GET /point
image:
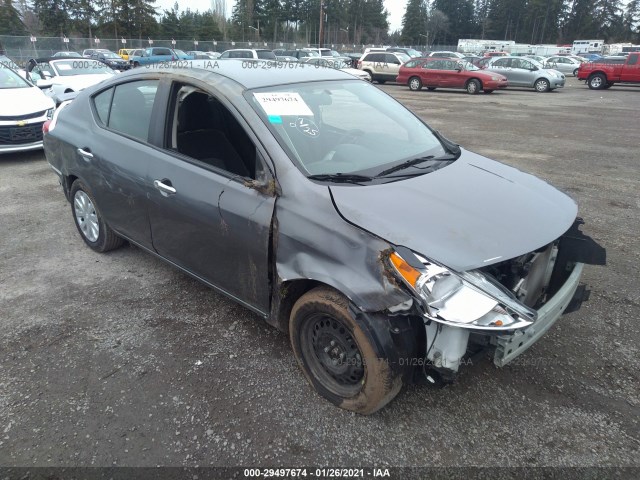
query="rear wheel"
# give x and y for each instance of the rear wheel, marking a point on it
(415, 84)
(92, 227)
(473, 86)
(597, 81)
(340, 360)
(542, 85)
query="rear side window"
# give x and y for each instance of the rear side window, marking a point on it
(126, 108)
(633, 59)
(411, 64)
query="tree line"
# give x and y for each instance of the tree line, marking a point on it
(524, 21)
(425, 22)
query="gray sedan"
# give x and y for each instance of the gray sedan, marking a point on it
(384, 250)
(527, 72)
(566, 65)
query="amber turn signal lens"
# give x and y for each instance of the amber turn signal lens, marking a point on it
(409, 273)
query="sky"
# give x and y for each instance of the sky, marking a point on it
(394, 7)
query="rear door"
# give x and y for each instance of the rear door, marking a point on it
(206, 213)
(118, 148)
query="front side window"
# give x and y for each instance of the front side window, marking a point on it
(203, 129)
(126, 108)
(342, 127)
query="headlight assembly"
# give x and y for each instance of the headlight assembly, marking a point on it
(468, 300)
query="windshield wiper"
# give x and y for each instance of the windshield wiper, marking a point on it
(407, 164)
(340, 177)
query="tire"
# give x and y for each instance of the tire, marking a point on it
(89, 222)
(415, 84)
(136, 64)
(542, 85)
(473, 87)
(487, 91)
(575, 72)
(431, 89)
(320, 320)
(597, 81)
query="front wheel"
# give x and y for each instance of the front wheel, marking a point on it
(473, 87)
(597, 81)
(415, 84)
(542, 85)
(92, 227)
(340, 360)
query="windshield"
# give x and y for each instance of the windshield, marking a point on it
(180, 52)
(10, 79)
(343, 127)
(8, 63)
(68, 68)
(414, 53)
(266, 55)
(403, 57)
(535, 62)
(468, 65)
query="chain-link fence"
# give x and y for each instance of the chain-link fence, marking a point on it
(20, 48)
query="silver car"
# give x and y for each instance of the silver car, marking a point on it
(566, 65)
(527, 72)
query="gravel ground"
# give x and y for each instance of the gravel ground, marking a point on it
(119, 359)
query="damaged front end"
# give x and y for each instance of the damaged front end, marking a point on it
(505, 306)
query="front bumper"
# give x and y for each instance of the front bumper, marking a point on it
(511, 346)
(25, 147)
(21, 136)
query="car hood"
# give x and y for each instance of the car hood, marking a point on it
(470, 214)
(80, 82)
(23, 101)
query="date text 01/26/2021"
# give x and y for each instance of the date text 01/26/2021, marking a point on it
(316, 472)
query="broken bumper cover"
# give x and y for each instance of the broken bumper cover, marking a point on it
(511, 346)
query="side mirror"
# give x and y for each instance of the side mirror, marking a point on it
(44, 84)
(46, 75)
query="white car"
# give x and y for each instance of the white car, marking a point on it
(23, 110)
(338, 65)
(68, 75)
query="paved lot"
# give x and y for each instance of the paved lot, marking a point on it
(118, 359)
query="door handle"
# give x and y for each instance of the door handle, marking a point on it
(86, 154)
(164, 188)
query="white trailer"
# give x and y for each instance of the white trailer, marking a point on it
(587, 46)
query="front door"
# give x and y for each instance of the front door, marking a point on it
(206, 214)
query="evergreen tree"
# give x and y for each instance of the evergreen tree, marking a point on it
(10, 21)
(414, 23)
(460, 15)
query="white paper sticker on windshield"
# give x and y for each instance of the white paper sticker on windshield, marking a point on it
(283, 104)
(63, 66)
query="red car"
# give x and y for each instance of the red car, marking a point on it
(448, 73)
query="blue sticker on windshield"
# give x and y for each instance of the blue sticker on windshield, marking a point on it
(275, 118)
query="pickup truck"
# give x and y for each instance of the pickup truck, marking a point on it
(153, 55)
(600, 75)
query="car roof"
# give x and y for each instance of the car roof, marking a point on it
(249, 78)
